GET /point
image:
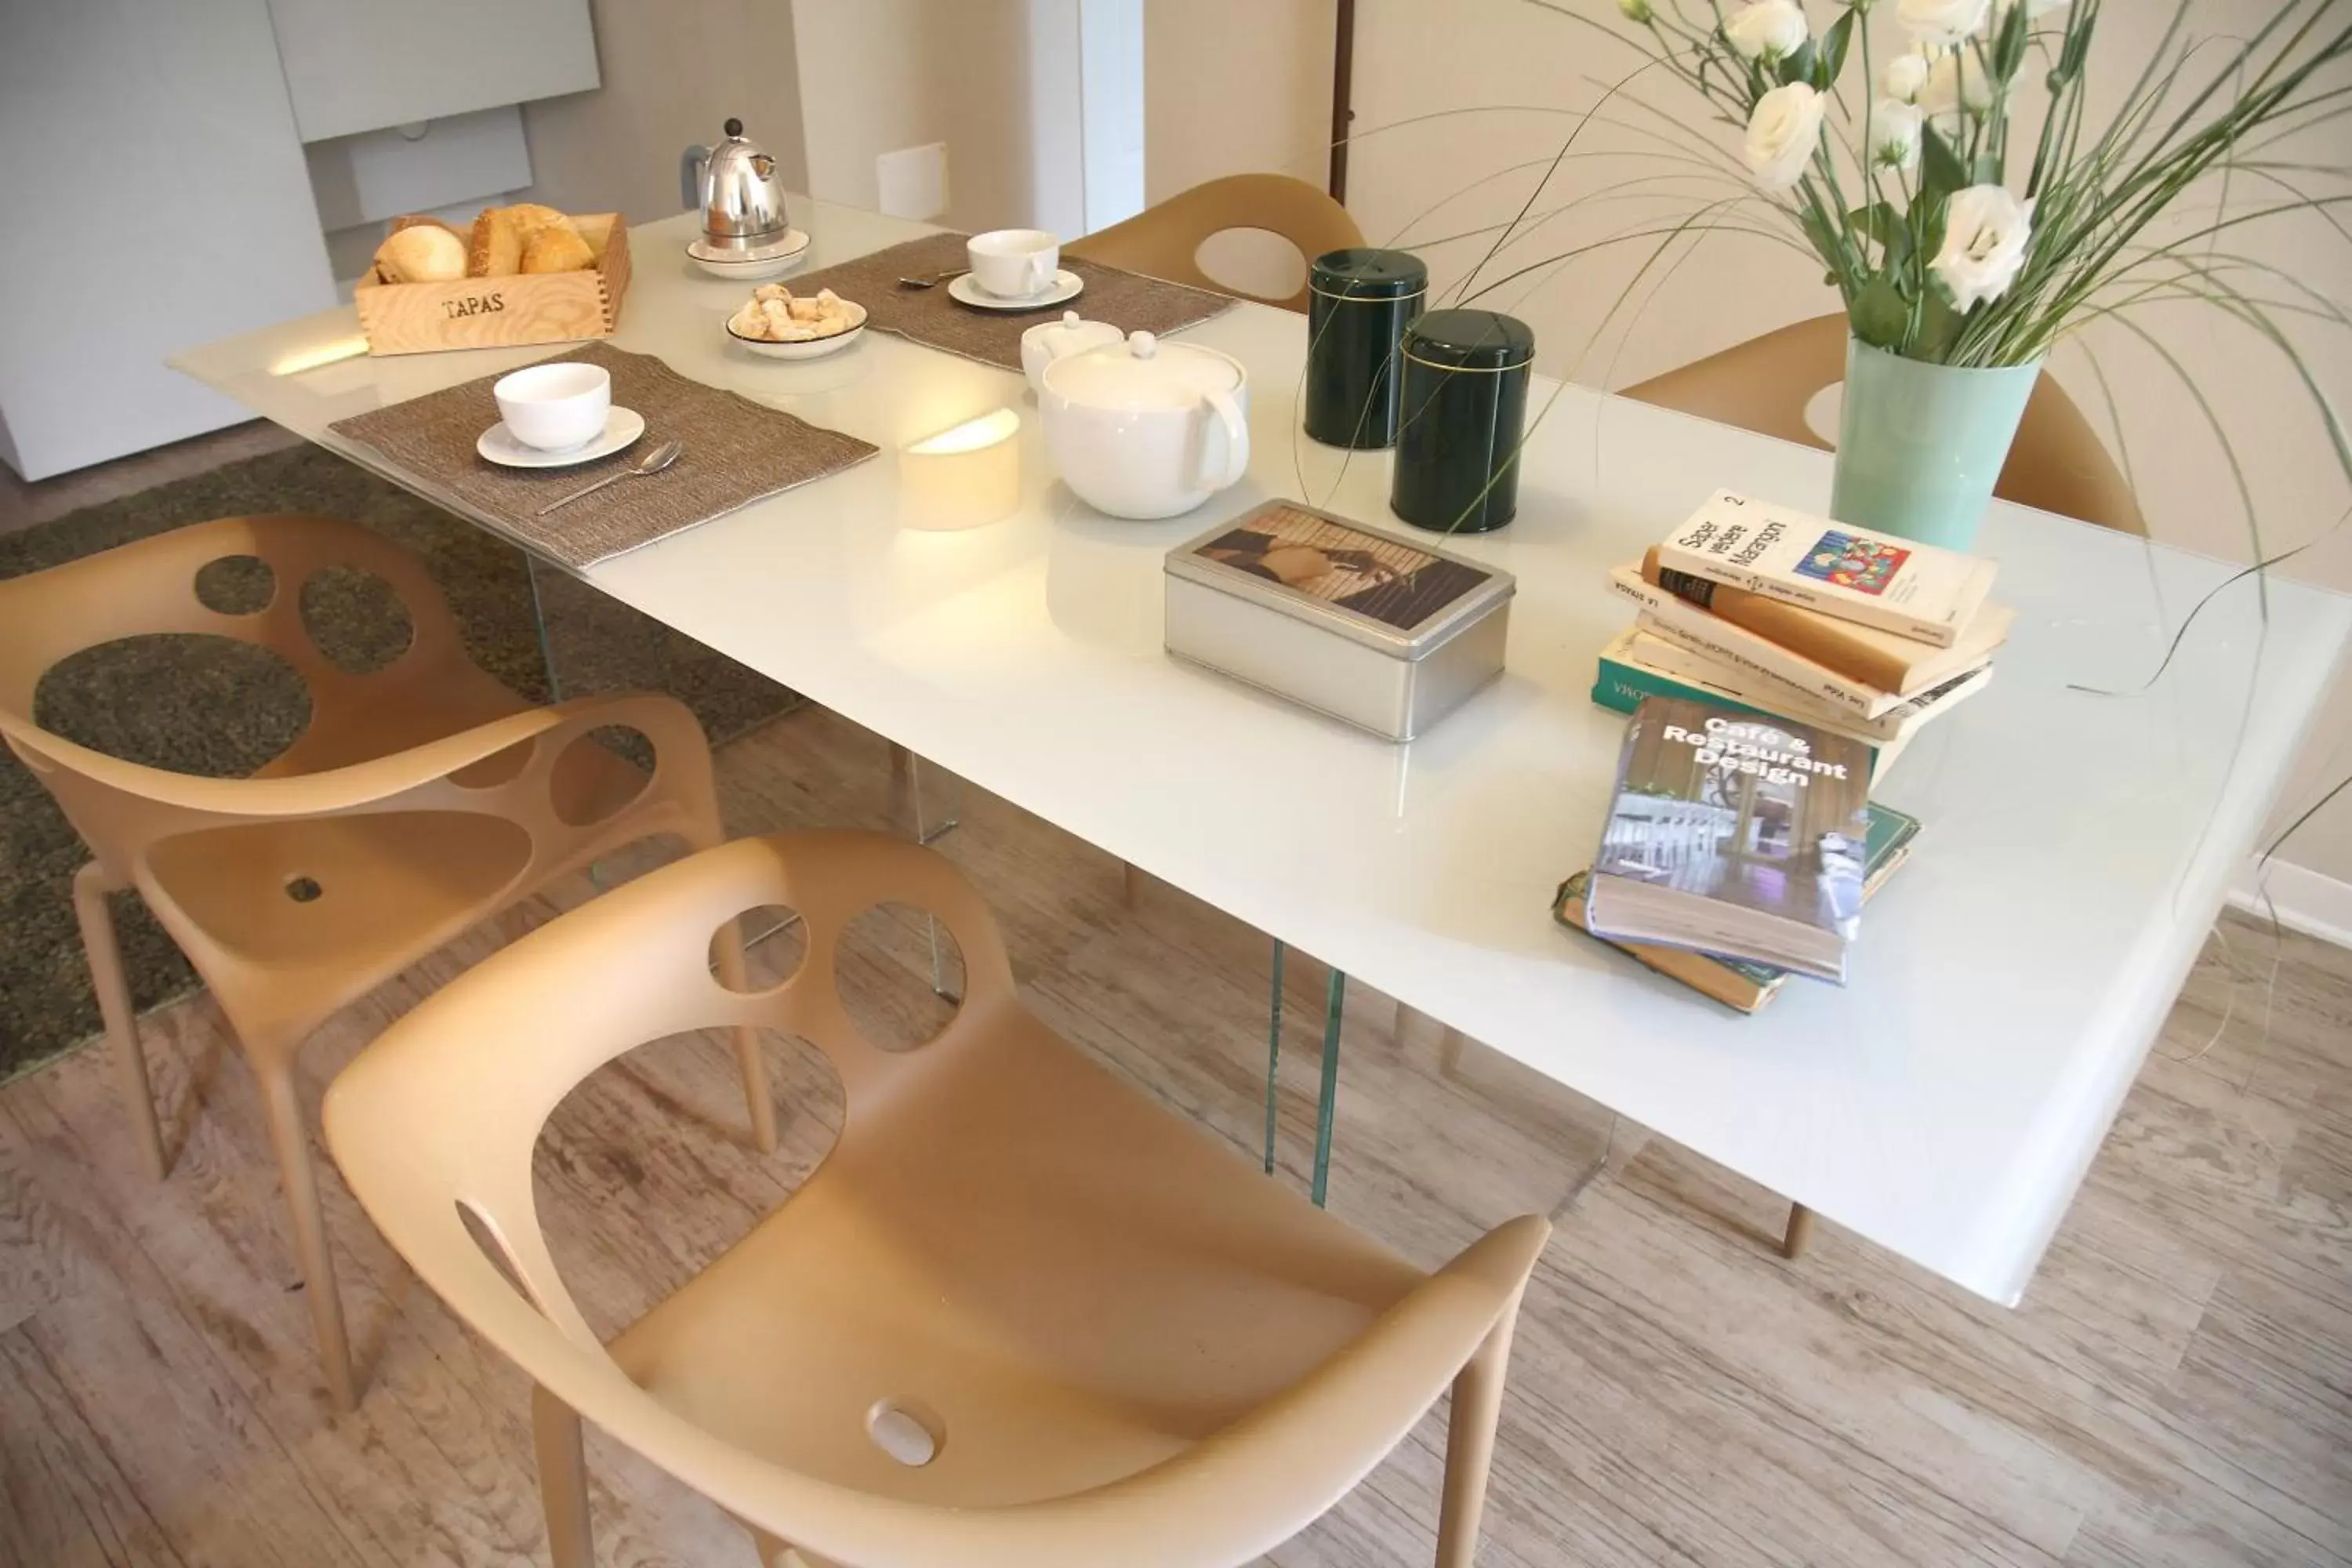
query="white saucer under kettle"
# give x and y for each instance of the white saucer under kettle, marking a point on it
(1145, 429)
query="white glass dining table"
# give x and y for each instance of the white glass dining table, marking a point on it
(2082, 822)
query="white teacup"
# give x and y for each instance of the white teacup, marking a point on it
(1014, 263)
(555, 408)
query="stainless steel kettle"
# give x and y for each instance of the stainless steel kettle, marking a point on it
(737, 187)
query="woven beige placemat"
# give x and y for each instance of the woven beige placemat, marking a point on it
(1127, 300)
(737, 451)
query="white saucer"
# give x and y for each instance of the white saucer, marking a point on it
(621, 427)
(1067, 285)
(766, 262)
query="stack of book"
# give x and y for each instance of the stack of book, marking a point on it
(1781, 613)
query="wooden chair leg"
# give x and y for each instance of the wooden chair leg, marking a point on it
(105, 958)
(563, 1481)
(1800, 1234)
(1470, 1444)
(284, 1112)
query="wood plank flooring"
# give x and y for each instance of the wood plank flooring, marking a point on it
(2177, 1389)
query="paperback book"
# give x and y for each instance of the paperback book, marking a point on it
(1637, 663)
(1678, 620)
(1879, 659)
(1899, 585)
(1737, 835)
(1737, 983)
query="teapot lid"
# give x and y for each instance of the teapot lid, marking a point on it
(1143, 372)
(1072, 332)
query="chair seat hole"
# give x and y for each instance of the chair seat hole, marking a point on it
(906, 1435)
(303, 889)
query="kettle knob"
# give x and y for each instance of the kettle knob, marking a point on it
(734, 128)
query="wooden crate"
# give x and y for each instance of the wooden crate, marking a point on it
(502, 312)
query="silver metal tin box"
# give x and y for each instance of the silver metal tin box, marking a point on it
(1377, 661)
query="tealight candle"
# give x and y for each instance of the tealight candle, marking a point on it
(966, 476)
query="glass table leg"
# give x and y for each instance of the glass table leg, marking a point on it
(1327, 1094)
(929, 823)
(1273, 1055)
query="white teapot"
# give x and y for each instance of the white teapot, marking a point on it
(1042, 344)
(1146, 429)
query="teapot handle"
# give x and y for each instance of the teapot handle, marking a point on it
(689, 175)
(1226, 412)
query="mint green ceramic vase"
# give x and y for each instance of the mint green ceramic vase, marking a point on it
(1921, 444)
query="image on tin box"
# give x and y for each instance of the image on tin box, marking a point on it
(1384, 579)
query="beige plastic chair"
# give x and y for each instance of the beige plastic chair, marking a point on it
(2057, 462)
(1020, 1317)
(1164, 241)
(420, 799)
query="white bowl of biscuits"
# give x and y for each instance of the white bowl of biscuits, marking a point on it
(778, 324)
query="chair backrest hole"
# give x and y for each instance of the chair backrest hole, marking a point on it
(901, 976)
(774, 943)
(1254, 261)
(303, 889)
(500, 767)
(355, 619)
(599, 773)
(493, 1248)
(188, 703)
(907, 1432)
(235, 586)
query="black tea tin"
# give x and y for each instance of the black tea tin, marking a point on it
(1464, 411)
(1360, 301)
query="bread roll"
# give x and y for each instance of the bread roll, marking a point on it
(553, 248)
(496, 249)
(424, 253)
(530, 217)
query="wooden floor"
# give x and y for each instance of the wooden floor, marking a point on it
(2177, 1388)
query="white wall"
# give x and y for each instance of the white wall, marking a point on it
(878, 75)
(1236, 87)
(673, 73)
(1245, 102)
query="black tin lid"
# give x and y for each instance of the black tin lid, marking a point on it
(1470, 340)
(1360, 272)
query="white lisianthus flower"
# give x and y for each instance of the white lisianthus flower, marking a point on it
(1985, 233)
(1943, 22)
(1635, 10)
(1895, 134)
(1906, 73)
(1956, 80)
(1768, 29)
(1783, 133)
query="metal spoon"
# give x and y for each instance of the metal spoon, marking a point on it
(653, 462)
(932, 279)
